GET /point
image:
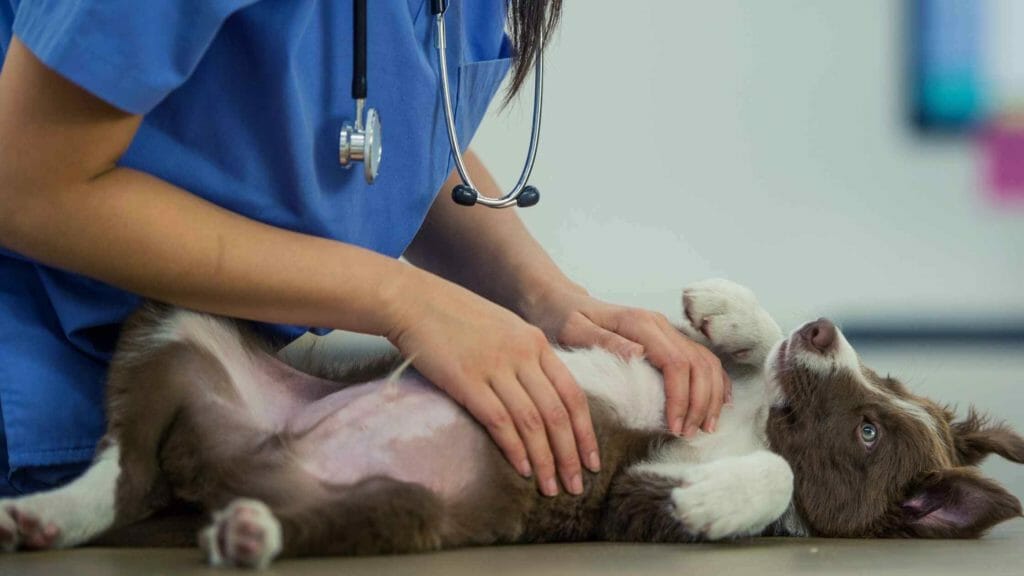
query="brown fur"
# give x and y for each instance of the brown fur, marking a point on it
(845, 489)
(186, 447)
(179, 445)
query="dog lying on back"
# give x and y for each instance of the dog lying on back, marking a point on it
(814, 443)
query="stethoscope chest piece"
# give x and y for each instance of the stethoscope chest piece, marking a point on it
(362, 143)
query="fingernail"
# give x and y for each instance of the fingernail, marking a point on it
(576, 485)
(691, 431)
(712, 423)
(593, 461)
(524, 469)
(677, 426)
(549, 487)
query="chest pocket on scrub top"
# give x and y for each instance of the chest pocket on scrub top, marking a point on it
(474, 82)
(477, 85)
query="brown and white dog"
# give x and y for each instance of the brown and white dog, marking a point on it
(814, 443)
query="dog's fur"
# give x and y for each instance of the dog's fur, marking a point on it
(814, 443)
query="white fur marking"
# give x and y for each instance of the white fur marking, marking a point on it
(730, 497)
(845, 358)
(80, 510)
(634, 387)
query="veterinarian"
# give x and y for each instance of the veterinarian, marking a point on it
(188, 152)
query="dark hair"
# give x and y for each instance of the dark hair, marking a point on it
(530, 25)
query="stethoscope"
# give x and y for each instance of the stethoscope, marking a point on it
(361, 142)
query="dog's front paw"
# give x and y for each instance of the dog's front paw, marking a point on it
(245, 534)
(733, 498)
(730, 318)
(22, 527)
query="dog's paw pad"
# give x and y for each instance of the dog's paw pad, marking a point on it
(245, 534)
(729, 317)
(20, 528)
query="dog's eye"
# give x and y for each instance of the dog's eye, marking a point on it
(868, 433)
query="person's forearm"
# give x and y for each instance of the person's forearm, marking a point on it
(488, 251)
(139, 233)
(65, 202)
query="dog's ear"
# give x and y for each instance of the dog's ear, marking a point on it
(954, 503)
(975, 438)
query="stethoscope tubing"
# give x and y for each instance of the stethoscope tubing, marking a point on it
(362, 143)
(512, 198)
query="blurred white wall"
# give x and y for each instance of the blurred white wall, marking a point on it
(762, 141)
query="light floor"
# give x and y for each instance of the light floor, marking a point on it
(989, 377)
(1002, 553)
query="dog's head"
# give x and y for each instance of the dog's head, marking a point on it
(869, 458)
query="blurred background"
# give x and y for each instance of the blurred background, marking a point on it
(772, 143)
(856, 160)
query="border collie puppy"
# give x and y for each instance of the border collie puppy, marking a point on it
(319, 462)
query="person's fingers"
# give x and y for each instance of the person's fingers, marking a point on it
(559, 427)
(677, 395)
(491, 412)
(582, 332)
(647, 329)
(707, 379)
(531, 425)
(701, 385)
(677, 372)
(728, 387)
(575, 400)
(696, 386)
(717, 398)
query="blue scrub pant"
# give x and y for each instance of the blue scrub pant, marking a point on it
(32, 479)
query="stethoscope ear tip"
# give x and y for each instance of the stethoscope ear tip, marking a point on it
(464, 195)
(528, 197)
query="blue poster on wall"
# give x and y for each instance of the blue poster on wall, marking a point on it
(946, 64)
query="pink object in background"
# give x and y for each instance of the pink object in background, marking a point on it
(1003, 149)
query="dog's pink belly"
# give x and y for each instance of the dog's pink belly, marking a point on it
(407, 430)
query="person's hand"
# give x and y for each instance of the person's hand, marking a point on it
(696, 386)
(505, 373)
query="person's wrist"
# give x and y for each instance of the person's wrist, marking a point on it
(400, 295)
(539, 303)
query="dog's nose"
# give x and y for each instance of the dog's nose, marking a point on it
(820, 334)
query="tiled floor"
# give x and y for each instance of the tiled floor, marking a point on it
(991, 378)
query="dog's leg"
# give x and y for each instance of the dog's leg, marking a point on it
(728, 318)
(640, 509)
(67, 516)
(376, 516)
(728, 498)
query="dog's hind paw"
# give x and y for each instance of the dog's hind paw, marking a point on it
(22, 529)
(245, 534)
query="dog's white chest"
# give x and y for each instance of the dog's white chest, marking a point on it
(633, 387)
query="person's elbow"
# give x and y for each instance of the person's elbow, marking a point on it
(29, 199)
(14, 199)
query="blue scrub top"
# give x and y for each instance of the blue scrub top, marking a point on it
(242, 103)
